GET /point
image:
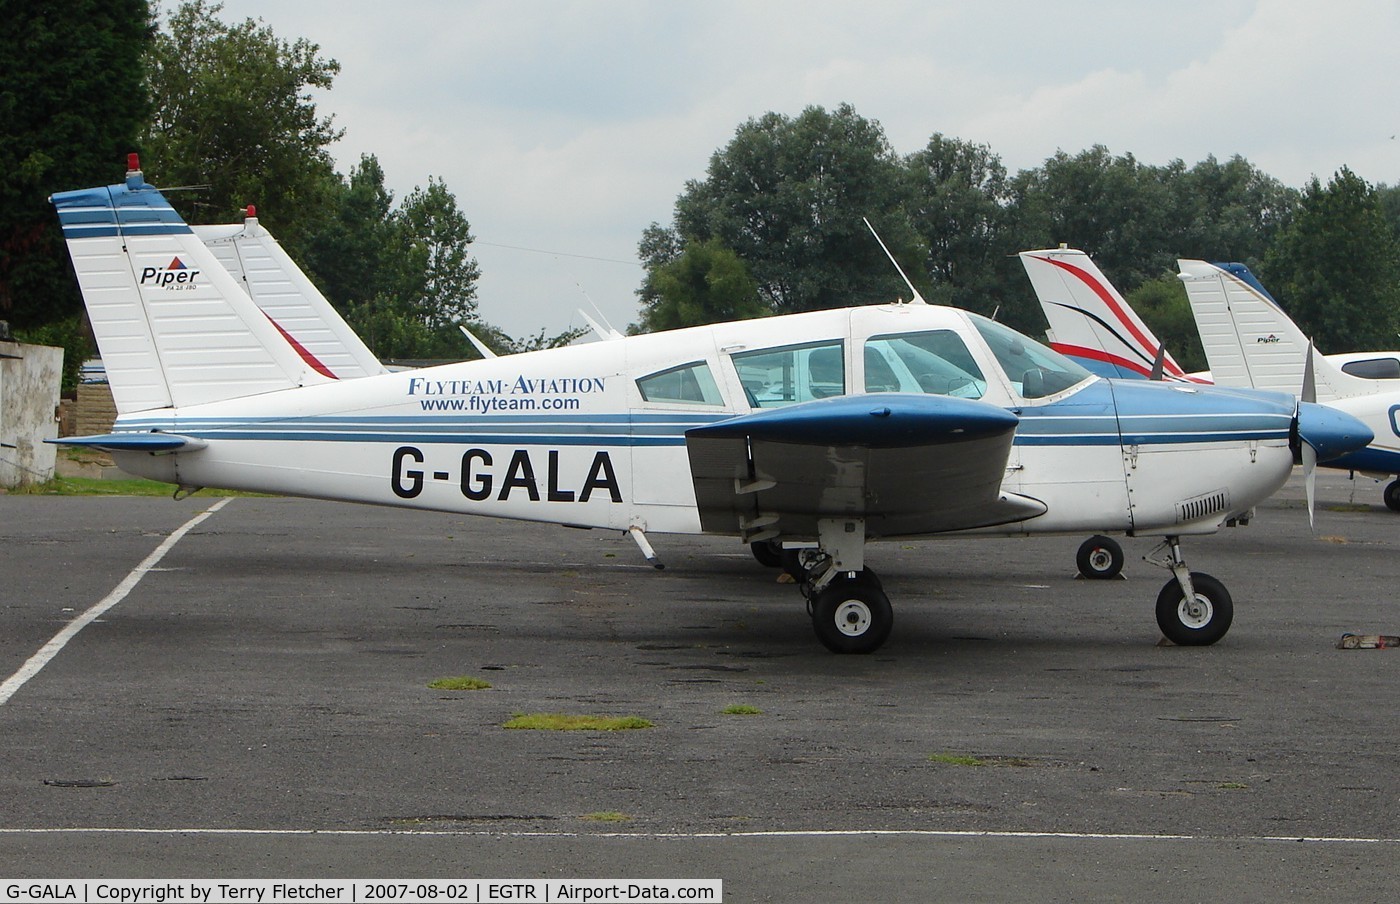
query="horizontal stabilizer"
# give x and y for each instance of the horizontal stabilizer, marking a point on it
(133, 442)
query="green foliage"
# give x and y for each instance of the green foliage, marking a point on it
(563, 722)
(1336, 267)
(69, 335)
(403, 276)
(72, 103)
(705, 283)
(1162, 305)
(459, 683)
(233, 115)
(787, 196)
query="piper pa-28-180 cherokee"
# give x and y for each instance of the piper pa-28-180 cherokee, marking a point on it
(804, 435)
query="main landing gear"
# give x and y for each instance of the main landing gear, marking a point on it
(1099, 558)
(1392, 495)
(846, 601)
(851, 614)
(1193, 609)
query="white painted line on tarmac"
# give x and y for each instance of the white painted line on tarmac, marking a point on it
(60, 640)
(796, 833)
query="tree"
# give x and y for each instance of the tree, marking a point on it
(787, 196)
(234, 116)
(957, 200)
(705, 283)
(72, 103)
(1231, 211)
(1163, 306)
(416, 279)
(1119, 211)
(348, 252)
(1336, 268)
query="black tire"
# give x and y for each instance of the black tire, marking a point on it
(852, 616)
(767, 553)
(1198, 625)
(1100, 558)
(1392, 495)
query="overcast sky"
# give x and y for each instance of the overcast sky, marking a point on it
(565, 128)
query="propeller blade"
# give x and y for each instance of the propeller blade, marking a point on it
(1309, 392)
(1159, 364)
(1310, 481)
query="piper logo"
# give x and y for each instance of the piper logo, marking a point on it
(1270, 339)
(175, 276)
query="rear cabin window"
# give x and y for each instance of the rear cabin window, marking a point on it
(1374, 368)
(936, 362)
(689, 384)
(799, 373)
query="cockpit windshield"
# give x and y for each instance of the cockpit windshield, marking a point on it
(1034, 370)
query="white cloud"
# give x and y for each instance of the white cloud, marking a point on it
(569, 126)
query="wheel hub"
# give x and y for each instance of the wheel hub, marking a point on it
(853, 618)
(1100, 559)
(1195, 613)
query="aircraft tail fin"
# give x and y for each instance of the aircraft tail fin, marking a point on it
(173, 327)
(1248, 339)
(255, 259)
(1090, 320)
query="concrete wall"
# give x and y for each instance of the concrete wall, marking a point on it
(30, 378)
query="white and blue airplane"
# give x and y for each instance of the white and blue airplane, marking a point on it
(1250, 341)
(805, 436)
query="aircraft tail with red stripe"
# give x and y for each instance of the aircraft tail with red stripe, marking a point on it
(173, 326)
(1090, 321)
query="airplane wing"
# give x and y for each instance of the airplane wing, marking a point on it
(907, 464)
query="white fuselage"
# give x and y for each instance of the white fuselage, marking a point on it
(571, 436)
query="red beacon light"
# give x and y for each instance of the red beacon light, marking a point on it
(252, 212)
(133, 163)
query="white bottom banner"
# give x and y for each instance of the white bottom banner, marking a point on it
(358, 891)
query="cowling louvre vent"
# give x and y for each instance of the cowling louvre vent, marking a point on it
(1202, 506)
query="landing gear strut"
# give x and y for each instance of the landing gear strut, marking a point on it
(849, 609)
(1193, 609)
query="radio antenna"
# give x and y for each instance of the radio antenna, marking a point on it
(918, 299)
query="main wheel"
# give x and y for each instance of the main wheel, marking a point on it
(1100, 558)
(767, 553)
(1392, 495)
(852, 615)
(1197, 622)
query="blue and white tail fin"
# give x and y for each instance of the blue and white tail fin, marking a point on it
(288, 297)
(1249, 340)
(1090, 321)
(173, 327)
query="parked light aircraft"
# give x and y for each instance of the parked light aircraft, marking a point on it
(809, 434)
(1250, 341)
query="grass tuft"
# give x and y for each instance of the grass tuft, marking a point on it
(563, 722)
(740, 709)
(460, 683)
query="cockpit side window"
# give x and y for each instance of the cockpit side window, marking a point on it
(936, 362)
(800, 373)
(1034, 370)
(689, 384)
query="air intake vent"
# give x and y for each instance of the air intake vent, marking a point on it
(1202, 506)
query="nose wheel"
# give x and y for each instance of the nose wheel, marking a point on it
(1193, 609)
